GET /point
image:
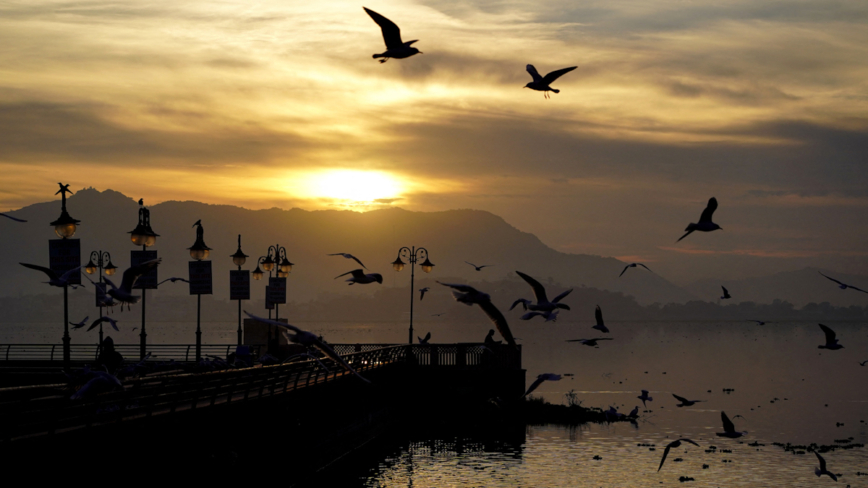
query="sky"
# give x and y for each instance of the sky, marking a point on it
(761, 104)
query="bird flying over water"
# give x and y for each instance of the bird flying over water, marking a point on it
(13, 218)
(844, 286)
(80, 324)
(598, 314)
(361, 278)
(728, 428)
(633, 265)
(705, 224)
(549, 316)
(644, 397)
(469, 295)
(685, 402)
(675, 443)
(478, 268)
(822, 469)
(831, 342)
(113, 322)
(349, 256)
(541, 83)
(539, 292)
(53, 278)
(539, 380)
(395, 47)
(308, 339)
(726, 294)
(123, 294)
(591, 342)
(422, 292)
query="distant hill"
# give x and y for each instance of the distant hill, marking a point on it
(452, 237)
(797, 287)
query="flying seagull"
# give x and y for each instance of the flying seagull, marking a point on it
(645, 398)
(349, 256)
(726, 295)
(675, 443)
(100, 320)
(395, 47)
(425, 339)
(308, 339)
(53, 278)
(685, 402)
(541, 83)
(123, 294)
(863, 363)
(13, 218)
(632, 265)
(172, 280)
(598, 314)
(728, 428)
(478, 268)
(539, 292)
(539, 380)
(831, 342)
(822, 469)
(422, 292)
(759, 322)
(549, 316)
(705, 224)
(591, 342)
(361, 278)
(844, 286)
(80, 324)
(469, 295)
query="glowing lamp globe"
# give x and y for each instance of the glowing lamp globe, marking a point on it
(398, 264)
(427, 266)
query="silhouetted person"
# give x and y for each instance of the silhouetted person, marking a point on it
(108, 357)
(489, 339)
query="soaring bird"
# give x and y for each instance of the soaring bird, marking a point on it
(598, 314)
(80, 324)
(675, 443)
(395, 47)
(726, 295)
(100, 320)
(633, 265)
(422, 292)
(831, 342)
(822, 469)
(705, 224)
(308, 339)
(591, 342)
(685, 402)
(172, 280)
(539, 380)
(549, 316)
(759, 322)
(844, 286)
(479, 268)
(539, 292)
(469, 295)
(728, 428)
(349, 256)
(53, 278)
(13, 218)
(541, 83)
(123, 294)
(425, 339)
(361, 278)
(645, 398)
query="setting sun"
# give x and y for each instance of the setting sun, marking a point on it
(354, 185)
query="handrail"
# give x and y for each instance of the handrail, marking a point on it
(89, 352)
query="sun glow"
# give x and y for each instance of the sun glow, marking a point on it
(354, 185)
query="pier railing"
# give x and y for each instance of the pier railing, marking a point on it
(89, 352)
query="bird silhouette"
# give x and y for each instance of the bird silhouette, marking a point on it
(822, 469)
(591, 342)
(361, 278)
(675, 443)
(80, 324)
(395, 47)
(469, 296)
(844, 286)
(633, 265)
(541, 83)
(425, 339)
(598, 315)
(549, 316)
(479, 268)
(172, 280)
(113, 322)
(53, 278)
(13, 218)
(539, 292)
(123, 294)
(831, 341)
(539, 380)
(728, 428)
(726, 295)
(422, 292)
(349, 256)
(644, 397)
(685, 402)
(705, 224)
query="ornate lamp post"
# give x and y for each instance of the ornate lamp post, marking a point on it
(276, 258)
(64, 254)
(199, 251)
(103, 263)
(238, 259)
(143, 236)
(411, 255)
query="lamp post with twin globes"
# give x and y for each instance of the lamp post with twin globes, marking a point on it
(103, 262)
(411, 255)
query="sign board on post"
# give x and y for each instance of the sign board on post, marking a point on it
(277, 290)
(147, 281)
(200, 277)
(100, 293)
(269, 305)
(239, 284)
(64, 255)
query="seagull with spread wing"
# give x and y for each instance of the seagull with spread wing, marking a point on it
(539, 380)
(479, 268)
(123, 294)
(469, 295)
(598, 314)
(685, 402)
(424, 340)
(308, 339)
(172, 280)
(80, 324)
(591, 342)
(549, 316)
(633, 265)
(53, 278)
(542, 302)
(831, 341)
(11, 217)
(726, 295)
(675, 443)
(728, 428)
(349, 256)
(645, 398)
(422, 292)
(822, 469)
(395, 47)
(361, 278)
(100, 320)
(541, 83)
(705, 224)
(844, 286)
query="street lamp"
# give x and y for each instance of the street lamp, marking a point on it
(64, 254)
(143, 236)
(275, 258)
(103, 264)
(238, 259)
(201, 281)
(412, 255)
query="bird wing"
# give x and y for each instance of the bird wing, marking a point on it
(538, 291)
(539, 380)
(107, 280)
(533, 73)
(328, 351)
(685, 235)
(114, 323)
(13, 218)
(468, 262)
(51, 274)
(646, 267)
(133, 272)
(462, 288)
(530, 315)
(499, 321)
(857, 289)
(688, 440)
(520, 300)
(551, 77)
(598, 314)
(427, 337)
(356, 260)
(833, 279)
(822, 461)
(680, 399)
(95, 323)
(709, 210)
(725, 292)
(357, 274)
(624, 271)
(665, 453)
(830, 334)
(728, 426)
(558, 298)
(274, 322)
(391, 32)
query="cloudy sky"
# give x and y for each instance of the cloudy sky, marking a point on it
(762, 104)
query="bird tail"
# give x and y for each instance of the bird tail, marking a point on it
(378, 56)
(556, 90)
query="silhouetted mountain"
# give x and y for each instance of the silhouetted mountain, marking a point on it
(374, 237)
(797, 287)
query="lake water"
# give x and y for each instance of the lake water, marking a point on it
(787, 390)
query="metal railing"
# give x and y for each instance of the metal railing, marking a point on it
(89, 352)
